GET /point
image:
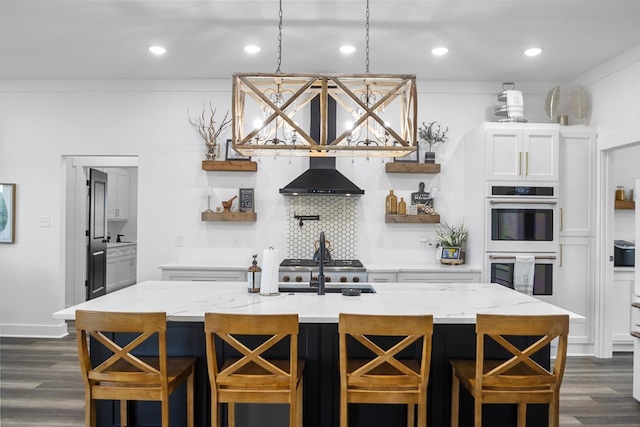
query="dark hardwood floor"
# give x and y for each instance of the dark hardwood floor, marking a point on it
(40, 385)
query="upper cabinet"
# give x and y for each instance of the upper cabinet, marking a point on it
(577, 184)
(118, 194)
(521, 152)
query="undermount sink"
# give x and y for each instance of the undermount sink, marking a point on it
(335, 288)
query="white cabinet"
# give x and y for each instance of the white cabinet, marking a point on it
(121, 266)
(112, 269)
(574, 289)
(518, 152)
(439, 277)
(379, 277)
(126, 265)
(622, 297)
(118, 194)
(204, 274)
(577, 184)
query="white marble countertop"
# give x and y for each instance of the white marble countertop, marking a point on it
(450, 303)
(420, 268)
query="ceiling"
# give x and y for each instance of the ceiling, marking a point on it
(108, 39)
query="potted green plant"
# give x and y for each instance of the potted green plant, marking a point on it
(433, 136)
(209, 129)
(451, 237)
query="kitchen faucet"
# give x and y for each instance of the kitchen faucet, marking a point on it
(321, 250)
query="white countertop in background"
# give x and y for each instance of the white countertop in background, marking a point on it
(450, 303)
(371, 268)
(419, 268)
(119, 244)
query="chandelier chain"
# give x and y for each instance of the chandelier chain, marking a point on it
(367, 40)
(279, 38)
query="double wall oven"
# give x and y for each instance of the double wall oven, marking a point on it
(522, 220)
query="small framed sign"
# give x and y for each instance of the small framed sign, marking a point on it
(231, 154)
(450, 253)
(246, 200)
(451, 256)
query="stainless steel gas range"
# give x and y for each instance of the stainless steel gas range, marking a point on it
(306, 270)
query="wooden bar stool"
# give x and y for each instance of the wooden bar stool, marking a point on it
(382, 377)
(519, 379)
(253, 377)
(123, 376)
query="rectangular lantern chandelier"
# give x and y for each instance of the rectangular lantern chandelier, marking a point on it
(380, 109)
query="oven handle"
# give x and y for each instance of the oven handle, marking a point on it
(513, 257)
(523, 202)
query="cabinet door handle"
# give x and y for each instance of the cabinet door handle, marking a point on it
(527, 163)
(561, 219)
(560, 264)
(519, 163)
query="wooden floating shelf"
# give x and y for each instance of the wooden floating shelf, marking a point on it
(408, 167)
(625, 204)
(229, 165)
(230, 216)
(412, 219)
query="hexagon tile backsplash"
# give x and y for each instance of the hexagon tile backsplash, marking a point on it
(338, 219)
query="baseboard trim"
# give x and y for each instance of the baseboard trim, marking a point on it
(34, 331)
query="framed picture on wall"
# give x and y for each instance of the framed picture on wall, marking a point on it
(7, 213)
(231, 154)
(246, 200)
(409, 158)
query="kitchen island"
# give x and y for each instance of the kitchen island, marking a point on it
(454, 307)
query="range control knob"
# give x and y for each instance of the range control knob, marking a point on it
(314, 278)
(327, 279)
(343, 279)
(298, 278)
(285, 278)
(356, 279)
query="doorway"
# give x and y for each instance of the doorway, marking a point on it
(76, 217)
(609, 146)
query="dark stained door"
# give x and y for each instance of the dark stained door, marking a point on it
(97, 251)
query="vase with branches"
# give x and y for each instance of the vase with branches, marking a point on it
(448, 236)
(209, 129)
(433, 135)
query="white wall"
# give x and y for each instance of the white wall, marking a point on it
(42, 121)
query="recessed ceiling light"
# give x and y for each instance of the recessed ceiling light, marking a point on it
(347, 49)
(534, 51)
(157, 50)
(439, 51)
(250, 48)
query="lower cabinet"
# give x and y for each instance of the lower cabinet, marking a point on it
(424, 276)
(121, 267)
(382, 277)
(439, 277)
(204, 274)
(574, 290)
